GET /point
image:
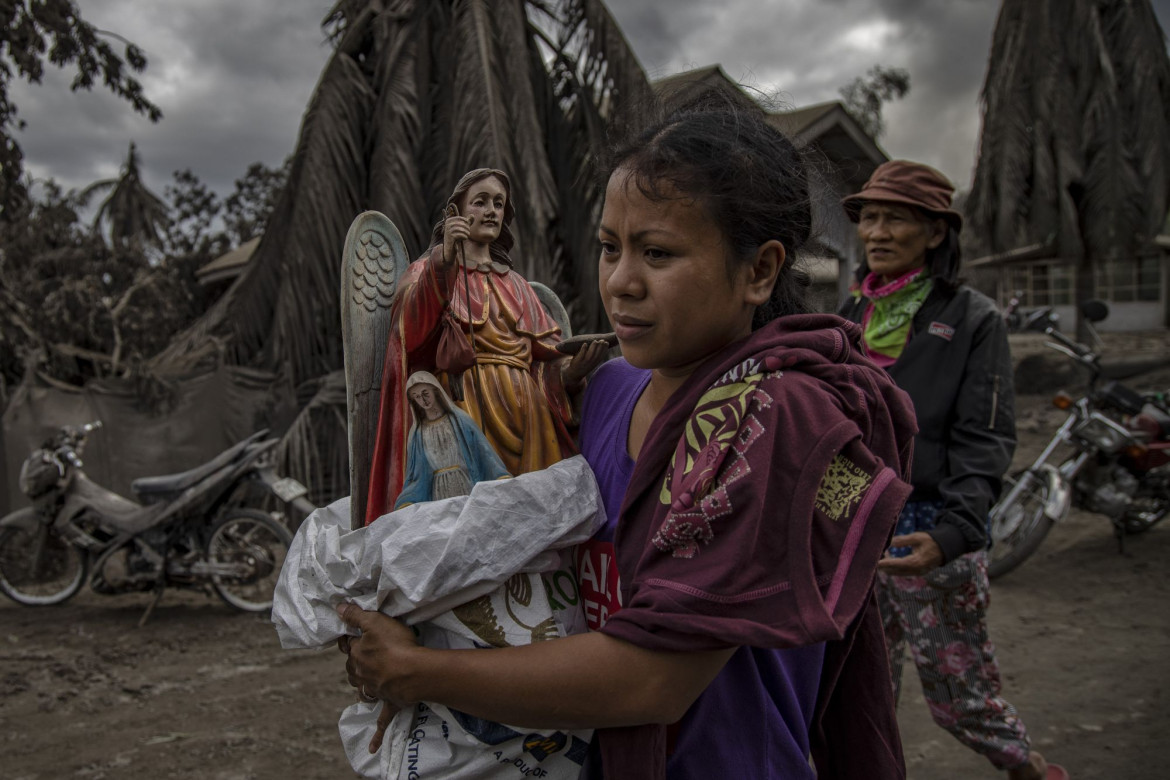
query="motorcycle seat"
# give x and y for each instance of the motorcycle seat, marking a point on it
(173, 483)
(1160, 417)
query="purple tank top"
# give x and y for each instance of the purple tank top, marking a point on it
(753, 719)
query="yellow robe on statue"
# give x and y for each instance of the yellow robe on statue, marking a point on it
(514, 391)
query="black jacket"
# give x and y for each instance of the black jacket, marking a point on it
(957, 370)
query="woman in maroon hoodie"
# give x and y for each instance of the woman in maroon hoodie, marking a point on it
(752, 466)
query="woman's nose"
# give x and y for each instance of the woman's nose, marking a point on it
(877, 228)
(623, 279)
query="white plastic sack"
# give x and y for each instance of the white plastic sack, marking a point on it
(446, 563)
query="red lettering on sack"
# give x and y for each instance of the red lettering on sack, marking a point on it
(598, 582)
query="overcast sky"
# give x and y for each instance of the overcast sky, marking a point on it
(233, 78)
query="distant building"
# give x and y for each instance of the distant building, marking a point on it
(1137, 289)
(223, 270)
(842, 155)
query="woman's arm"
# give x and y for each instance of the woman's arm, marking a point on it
(584, 681)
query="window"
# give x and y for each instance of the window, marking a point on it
(1051, 283)
(1040, 284)
(1132, 279)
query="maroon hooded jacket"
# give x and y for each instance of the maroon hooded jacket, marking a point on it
(760, 503)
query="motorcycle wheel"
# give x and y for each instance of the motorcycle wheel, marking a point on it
(1019, 530)
(53, 579)
(252, 538)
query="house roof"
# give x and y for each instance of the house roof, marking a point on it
(1044, 251)
(229, 265)
(828, 127)
(680, 89)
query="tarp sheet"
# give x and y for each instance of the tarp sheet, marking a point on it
(200, 417)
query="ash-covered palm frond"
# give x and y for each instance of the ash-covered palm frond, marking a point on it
(418, 92)
(1075, 147)
(596, 90)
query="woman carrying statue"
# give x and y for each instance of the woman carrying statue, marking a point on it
(509, 377)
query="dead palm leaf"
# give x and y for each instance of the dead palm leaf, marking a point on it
(415, 94)
(1075, 146)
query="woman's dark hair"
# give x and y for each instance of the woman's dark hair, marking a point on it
(747, 176)
(942, 262)
(504, 242)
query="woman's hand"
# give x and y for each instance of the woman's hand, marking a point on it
(377, 659)
(925, 556)
(455, 228)
(582, 364)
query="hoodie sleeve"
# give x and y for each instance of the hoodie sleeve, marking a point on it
(779, 548)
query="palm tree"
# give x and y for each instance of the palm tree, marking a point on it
(416, 93)
(1075, 147)
(135, 216)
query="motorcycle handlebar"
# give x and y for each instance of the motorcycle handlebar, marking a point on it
(1075, 350)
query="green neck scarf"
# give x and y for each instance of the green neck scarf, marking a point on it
(893, 308)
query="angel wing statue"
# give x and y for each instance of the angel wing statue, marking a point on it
(373, 261)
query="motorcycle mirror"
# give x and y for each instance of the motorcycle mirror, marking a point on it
(1094, 310)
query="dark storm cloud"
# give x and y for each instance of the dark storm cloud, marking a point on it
(805, 51)
(232, 79)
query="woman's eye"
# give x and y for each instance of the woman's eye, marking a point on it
(656, 254)
(608, 248)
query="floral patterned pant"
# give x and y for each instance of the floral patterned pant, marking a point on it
(942, 617)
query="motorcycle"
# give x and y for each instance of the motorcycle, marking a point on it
(1119, 464)
(186, 530)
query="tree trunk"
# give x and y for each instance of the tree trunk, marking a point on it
(1086, 289)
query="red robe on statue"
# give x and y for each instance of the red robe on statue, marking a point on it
(514, 391)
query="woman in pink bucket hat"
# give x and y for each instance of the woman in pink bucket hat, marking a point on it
(946, 345)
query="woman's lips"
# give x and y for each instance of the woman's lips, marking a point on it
(628, 328)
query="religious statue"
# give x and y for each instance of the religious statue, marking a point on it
(446, 453)
(462, 312)
(458, 388)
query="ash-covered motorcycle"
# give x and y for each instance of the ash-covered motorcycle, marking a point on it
(186, 530)
(1111, 456)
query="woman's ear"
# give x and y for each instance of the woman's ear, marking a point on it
(938, 232)
(764, 271)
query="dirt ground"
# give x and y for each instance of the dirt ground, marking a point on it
(201, 691)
